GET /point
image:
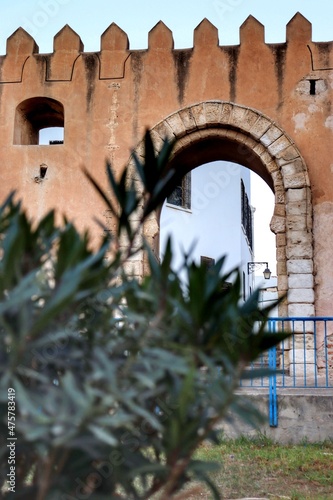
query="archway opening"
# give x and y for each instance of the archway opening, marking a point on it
(212, 213)
(216, 130)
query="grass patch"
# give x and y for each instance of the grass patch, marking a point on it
(261, 468)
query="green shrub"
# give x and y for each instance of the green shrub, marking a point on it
(114, 381)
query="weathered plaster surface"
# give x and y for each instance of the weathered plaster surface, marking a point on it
(323, 257)
(266, 106)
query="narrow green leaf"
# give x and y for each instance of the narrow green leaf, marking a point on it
(103, 435)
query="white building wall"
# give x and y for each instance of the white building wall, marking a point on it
(268, 293)
(213, 223)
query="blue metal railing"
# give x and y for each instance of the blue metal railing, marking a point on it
(303, 361)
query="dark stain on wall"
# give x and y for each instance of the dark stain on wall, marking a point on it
(91, 67)
(324, 49)
(41, 63)
(182, 62)
(233, 53)
(279, 53)
(137, 68)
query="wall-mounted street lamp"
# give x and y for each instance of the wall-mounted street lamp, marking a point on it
(252, 266)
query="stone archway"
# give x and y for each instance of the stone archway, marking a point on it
(213, 130)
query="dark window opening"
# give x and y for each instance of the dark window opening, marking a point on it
(181, 195)
(32, 118)
(246, 216)
(312, 87)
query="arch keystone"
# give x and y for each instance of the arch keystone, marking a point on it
(205, 34)
(160, 37)
(226, 111)
(213, 112)
(251, 31)
(299, 29)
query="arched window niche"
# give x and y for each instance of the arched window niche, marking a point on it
(34, 115)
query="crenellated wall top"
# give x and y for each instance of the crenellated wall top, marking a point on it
(114, 42)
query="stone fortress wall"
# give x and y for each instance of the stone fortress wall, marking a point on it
(266, 106)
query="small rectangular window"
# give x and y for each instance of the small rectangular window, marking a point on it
(181, 195)
(312, 87)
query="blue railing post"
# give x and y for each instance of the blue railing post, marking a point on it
(273, 409)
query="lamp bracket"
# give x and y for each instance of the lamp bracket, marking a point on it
(252, 266)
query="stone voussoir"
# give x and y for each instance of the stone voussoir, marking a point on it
(237, 116)
(165, 131)
(213, 112)
(176, 124)
(278, 224)
(188, 119)
(287, 155)
(260, 127)
(250, 118)
(279, 145)
(226, 112)
(297, 194)
(294, 167)
(298, 180)
(199, 115)
(271, 135)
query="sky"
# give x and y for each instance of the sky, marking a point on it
(44, 18)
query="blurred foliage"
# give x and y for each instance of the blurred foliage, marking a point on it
(117, 379)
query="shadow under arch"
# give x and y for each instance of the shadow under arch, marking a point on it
(218, 130)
